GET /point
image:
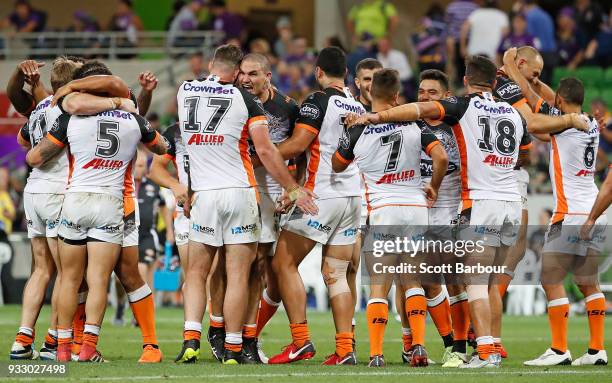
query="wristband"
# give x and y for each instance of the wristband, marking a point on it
(294, 193)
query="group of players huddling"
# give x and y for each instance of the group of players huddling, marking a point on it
(250, 161)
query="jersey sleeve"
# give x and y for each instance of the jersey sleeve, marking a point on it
(24, 132)
(452, 109)
(293, 115)
(508, 91)
(428, 140)
(257, 115)
(58, 134)
(542, 107)
(311, 114)
(346, 146)
(169, 135)
(149, 136)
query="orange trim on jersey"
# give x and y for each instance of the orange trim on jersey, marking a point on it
(519, 102)
(342, 159)
(311, 129)
(291, 167)
(152, 143)
(169, 156)
(128, 191)
(538, 105)
(253, 120)
(465, 190)
(243, 148)
(431, 146)
(441, 109)
(55, 141)
(526, 146)
(561, 203)
(466, 204)
(367, 194)
(397, 204)
(313, 164)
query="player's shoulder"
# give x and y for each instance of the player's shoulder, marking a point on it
(283, 100)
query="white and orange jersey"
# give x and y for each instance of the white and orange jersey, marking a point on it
(177, 153)
(322, 113)
(101, 149)
(489, 135)
(389, 159)
(53, 176)
(573, 154)
(215, 118)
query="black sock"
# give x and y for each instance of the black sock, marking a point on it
(448, 340)
(558, 352)
(592, 351)
(459, 346)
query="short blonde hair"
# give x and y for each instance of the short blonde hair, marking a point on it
(62, 72)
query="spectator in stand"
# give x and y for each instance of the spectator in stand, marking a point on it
(292, 81)
(86, 25)
(363, 50)
(197, 66)
(483, 31)
(589, 16)
(600, 111)
(285, 35)
(377, 17)
(24, 18)
(395, 59)
(540, 24)
(298, 51)
(334, 41)
(429, 42)
(517, 37)
(186, 20)
(229, 23)
(571, 40)
(457, 12)
(126, 20)
(599, 50)
(7, 207)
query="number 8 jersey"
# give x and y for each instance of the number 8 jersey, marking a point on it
(214, 119)
(489, 135)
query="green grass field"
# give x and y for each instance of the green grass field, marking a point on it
(524, 338)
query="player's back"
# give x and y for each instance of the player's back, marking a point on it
(323, 113)
(101, 150)
(489, 135)
(214, 119)
(52, 176)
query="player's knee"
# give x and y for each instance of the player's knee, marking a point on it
(131, 281)
(589, 289)
(476, 292)
(334, 275)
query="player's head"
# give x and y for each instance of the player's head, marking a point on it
(433, 85)
(569, 93)
(62, 72)
(480, 71)
(255, 73)
(386, 87)
(226, 62)
(529, 62)
(330, 65)
(92, 68)
(364, 72)
(140, 167)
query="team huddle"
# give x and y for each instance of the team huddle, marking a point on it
(260, 181)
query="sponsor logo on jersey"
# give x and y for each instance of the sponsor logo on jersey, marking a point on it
(70, 224)
(319, 226)
(309, 111)
(391, 178)
(203, 229)
(427, 168)
(207, 89)
(585, 173)
(350, 232)
(42, 105)
(29, 223)
(487, 230)
(52, 223)
(377, 129)
(116, 114)
(499, 161)
(499, 109)
(102, 164)
(250, 228)
(205, 139)
(508, 90)
(111, 229)
(349, 107)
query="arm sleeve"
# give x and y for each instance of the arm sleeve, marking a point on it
(24, 132)
(170, 136)
(293, 116)
(311, 114)
(452, 109)
(542, 107)
(507, 90)
(255, 109)
(58, 134)
(428, 140)
(346, 146)
(148, 135)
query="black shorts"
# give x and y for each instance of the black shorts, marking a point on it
(147, 248)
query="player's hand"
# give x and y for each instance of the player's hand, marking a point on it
(510, 56)
(61, 92)
(431, 193)
(30, 70)
(283, 204)
(305, 201)
(187, 208)
(365, 119)
(585, 230)
(128, 105)
(579, 122)
(180, 194)
(147, 81)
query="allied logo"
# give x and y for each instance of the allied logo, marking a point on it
(99, 163)
(499, 161)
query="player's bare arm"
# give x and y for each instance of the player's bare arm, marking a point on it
(159, 174)
(439, 158)
(603, 201)
(43, 152)
(407, 112)
(86, 104)
(148, 83)
(99, 84)
(39, 92)
(297, 144)
(158, 146)
(26, 71)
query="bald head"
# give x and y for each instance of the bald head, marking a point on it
(529, 62)
(260, 59)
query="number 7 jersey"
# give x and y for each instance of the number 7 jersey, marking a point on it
(489, 135)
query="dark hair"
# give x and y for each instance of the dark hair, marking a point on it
(228, 54)
(436, 75)
(91, 68)
(332, 61)
(480, 71)
(369, 64)
(572, 90)
(77, 59)
(385, 84)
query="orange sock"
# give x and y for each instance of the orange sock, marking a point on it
(406, 338)
(460, 316)
(217, 322)
(64, 336)
(558, 311)
(233, 341)
(51, 338)
(344, 343)
(141, 303)
(439, 310)
(267, 309)
(91, 334)
(416, 309)
(299, 333)
(596, 311)
(485, 349)
(377, 313)
(249, 331)
(25, 336)
(78, 323)
(503, 281)
(233, 347)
